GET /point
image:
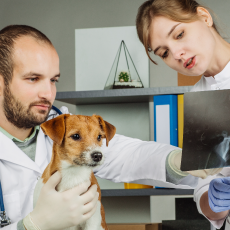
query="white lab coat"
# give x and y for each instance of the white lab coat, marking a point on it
(221, 81)
(127, 160)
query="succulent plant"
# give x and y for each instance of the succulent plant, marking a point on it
(124, 76)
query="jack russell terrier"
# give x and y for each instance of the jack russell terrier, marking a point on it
(77, 142)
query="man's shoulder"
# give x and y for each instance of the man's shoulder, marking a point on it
(53, 113)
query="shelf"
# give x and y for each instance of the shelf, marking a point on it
(145, 192)
(113, 96)
(125, 96)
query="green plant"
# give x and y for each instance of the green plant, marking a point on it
(124, 76)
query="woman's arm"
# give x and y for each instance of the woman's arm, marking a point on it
(211, 197)
(207, 211)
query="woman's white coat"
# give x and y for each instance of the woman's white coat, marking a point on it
(220, 81)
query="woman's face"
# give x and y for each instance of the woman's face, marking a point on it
(185, 47)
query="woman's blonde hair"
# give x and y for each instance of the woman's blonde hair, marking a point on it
(176, 10)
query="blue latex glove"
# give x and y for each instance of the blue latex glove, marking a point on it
(219, 194)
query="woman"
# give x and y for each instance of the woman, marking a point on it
(184, 35)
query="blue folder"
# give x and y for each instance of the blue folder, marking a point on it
(166, 119)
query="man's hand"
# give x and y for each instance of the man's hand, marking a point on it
(59, 210)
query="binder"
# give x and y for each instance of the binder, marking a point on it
(136, 186)
(165, 125)
(180, 120)
(166, 119)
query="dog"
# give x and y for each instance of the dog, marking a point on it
(77, 142)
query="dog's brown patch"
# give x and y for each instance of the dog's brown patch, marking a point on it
(94, 181)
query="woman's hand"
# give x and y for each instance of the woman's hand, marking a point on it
(175, 164)
(215, 203)
(219, 194)
(203, 173)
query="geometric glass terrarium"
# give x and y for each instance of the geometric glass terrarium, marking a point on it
(123, 73)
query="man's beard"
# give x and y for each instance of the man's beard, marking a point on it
(19, 115)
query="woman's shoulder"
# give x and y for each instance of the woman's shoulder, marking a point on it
(201, 85)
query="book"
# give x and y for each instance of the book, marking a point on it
(136, 186)
(180, 101)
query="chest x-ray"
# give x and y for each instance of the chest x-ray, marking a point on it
(206, 140)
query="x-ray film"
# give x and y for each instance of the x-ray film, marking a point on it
(206, 139)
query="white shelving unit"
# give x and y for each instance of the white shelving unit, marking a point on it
(122, 205)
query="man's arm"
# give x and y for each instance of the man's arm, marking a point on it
(20, 225)
(83, 197)
(68, 208)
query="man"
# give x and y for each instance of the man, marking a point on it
(29, 70)
(27, 91)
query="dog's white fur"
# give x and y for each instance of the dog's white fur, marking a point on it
(72, 176)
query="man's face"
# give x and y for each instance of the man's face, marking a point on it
(31, 93)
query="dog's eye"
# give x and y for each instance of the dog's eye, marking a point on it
(75, 137)
(99, 137)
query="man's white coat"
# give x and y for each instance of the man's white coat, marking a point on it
(127, 160)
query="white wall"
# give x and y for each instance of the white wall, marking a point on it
(94, 61)
(58, 19)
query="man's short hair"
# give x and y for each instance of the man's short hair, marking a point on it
(8, 36)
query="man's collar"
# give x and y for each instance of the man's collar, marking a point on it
(36, 128)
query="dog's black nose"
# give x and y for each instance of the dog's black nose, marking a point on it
(96, 156)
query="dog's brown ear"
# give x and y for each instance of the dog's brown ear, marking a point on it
(109, 129)
(55, 128)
